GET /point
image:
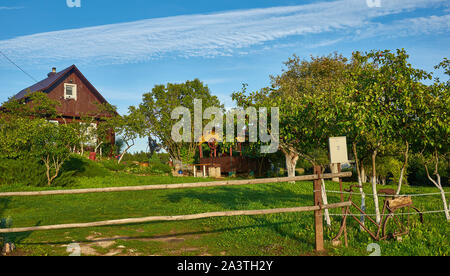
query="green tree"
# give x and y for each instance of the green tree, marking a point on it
(157, 107)
(381, 105)
(128, 127)
(51, 143)
(36, 105)
(16, 135)
(434, 129)
(306, 93)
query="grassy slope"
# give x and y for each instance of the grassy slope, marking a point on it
(279, 234)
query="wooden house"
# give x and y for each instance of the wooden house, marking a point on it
(76, 95)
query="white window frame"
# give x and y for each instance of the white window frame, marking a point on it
(74, 91)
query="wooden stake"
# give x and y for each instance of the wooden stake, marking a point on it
(318, 218)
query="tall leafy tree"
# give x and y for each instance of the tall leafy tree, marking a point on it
(157, 107)
(434, 129)
(306, 93)
(381, 103)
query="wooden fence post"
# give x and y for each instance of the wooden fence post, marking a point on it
(318, 215)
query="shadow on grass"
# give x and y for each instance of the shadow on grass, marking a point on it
(168, 236)
(231, 198)
(8, 222)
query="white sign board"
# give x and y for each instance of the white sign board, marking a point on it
(338, 150)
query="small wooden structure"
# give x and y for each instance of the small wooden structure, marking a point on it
(233, 161)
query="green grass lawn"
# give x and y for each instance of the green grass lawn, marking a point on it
(278, 234)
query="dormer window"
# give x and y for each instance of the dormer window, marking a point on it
(70, 91)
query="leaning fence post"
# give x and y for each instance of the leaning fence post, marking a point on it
(318, 218)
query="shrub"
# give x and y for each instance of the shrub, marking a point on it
(159, 168)
(81, 166)
(163, 157)
(22, 172)
(29, 172)
(65, 179)
(152, 169)
(112, 165)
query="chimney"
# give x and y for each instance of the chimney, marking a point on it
(53, 72)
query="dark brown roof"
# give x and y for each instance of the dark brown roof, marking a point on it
(47, 83)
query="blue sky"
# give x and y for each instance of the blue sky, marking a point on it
(126, 47)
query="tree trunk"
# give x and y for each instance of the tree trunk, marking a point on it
(439, 186)
(260, 165)
(98, 146)
(444, 200)
(374, 187)
(363, 174)
(402, 172)
(125, 151)
(360, 183)
(57, 164)
(291, 163)
(49, 182)
(446, 208)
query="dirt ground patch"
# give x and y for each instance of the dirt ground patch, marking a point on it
(95, 245)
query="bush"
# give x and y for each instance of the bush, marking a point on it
(154, 168)
(159, 168)
(112, 165)
(80, 166)
(136, 157)
(22, 172)
(29, 172)
(163, 157)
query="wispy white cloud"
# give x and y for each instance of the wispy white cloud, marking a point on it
(217, 34)
(324, 43)
(10, 8)
(408, 27)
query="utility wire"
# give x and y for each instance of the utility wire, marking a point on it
(18, 66)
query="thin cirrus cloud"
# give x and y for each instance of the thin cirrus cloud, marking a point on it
(10, 8)
(409, 27)
(220, 34)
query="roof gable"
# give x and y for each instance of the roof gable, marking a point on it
(47, 84)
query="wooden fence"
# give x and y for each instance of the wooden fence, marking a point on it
(317, 208)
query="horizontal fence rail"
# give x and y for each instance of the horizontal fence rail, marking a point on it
(179, 186)
(176, 218)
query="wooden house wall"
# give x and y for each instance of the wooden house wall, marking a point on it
(83, 105)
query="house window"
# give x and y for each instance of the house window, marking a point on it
(70, 91)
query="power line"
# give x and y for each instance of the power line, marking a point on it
(18, 66)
